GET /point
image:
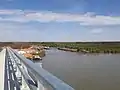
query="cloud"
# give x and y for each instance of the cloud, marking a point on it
(10, 0)
(42, 16)
(19, 32)
(97, 31)
(11, 12)
(12, 31)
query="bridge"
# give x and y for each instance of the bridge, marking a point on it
(19, 73)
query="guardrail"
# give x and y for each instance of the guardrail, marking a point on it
(35, 77)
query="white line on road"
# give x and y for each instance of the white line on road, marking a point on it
(8, 74)
(8, 84)
(10, 68)
(12, 76)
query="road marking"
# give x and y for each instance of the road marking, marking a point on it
(8, 84)
(8, 74)
(10, 68)
(12, 76)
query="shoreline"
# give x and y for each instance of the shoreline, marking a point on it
(87, 52)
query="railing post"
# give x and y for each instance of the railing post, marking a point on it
(24, 85)
(40, 86)
(19, 76)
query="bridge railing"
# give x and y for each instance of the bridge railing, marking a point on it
(35, 77)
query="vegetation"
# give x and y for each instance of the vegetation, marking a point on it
(15, 45)
(84, 47)
(87, 47)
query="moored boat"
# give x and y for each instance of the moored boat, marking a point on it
(37, 57)
(46, 47)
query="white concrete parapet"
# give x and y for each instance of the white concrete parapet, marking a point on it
(2, 68)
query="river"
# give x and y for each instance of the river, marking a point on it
(84, 72)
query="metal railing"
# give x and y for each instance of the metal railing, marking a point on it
(33, 76)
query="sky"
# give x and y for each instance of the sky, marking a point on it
(59, 20)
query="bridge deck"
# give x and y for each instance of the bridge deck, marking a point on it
(17, 73)
(2, 68)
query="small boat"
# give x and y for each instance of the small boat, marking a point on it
(46, 47)
(37, 57)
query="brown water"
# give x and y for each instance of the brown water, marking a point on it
(84, 72)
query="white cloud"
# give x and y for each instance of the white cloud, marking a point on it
(10, 0)
(97, 31)
(11, 12)
(19, 32)
(40, 16)
(33, 32)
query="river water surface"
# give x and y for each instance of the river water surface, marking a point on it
(84, 72)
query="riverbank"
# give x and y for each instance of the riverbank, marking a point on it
(68, 49)
(91, 51)
(86, 47)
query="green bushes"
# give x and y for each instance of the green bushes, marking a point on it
(89, 47)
